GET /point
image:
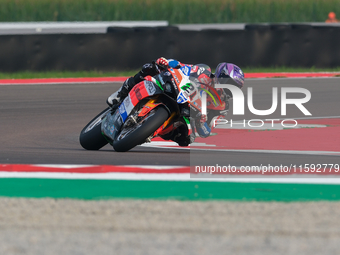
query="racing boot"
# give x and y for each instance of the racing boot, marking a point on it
(183, 135)
(117, 98)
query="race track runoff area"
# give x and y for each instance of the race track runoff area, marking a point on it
(316, 137)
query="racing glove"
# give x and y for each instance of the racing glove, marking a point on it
(162, 62)
(166, 63)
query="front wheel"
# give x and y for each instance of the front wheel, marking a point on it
(91, 137)
(136, 134)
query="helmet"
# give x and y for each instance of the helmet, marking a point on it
(201, 73)
(227, 73)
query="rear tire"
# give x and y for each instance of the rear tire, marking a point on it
(91, 137)
(141, 133)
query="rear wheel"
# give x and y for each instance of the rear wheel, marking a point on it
(137, 133)
(91, 137)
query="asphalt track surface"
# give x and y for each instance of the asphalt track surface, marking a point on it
(40, 124)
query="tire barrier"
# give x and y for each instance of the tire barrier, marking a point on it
(291, 45)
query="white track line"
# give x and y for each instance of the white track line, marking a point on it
(170, 177)
(63, 166)
(209, 148)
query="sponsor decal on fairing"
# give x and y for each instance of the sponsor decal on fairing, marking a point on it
(122, 112)
(128, 104)
(185, 70)
(112, 129)
(150, 87)
(181, 99)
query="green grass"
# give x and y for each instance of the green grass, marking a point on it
(67, 74)
(175, 11)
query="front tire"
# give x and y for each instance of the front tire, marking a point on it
(91, 137)
(143, 129)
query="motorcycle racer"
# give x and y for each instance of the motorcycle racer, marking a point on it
(149, 69)
(183, 130)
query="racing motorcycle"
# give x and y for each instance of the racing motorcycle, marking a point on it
(151, 109)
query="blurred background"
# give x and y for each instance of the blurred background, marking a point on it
(117, 35)
(174, 11)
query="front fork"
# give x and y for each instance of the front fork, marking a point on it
(152, 104)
